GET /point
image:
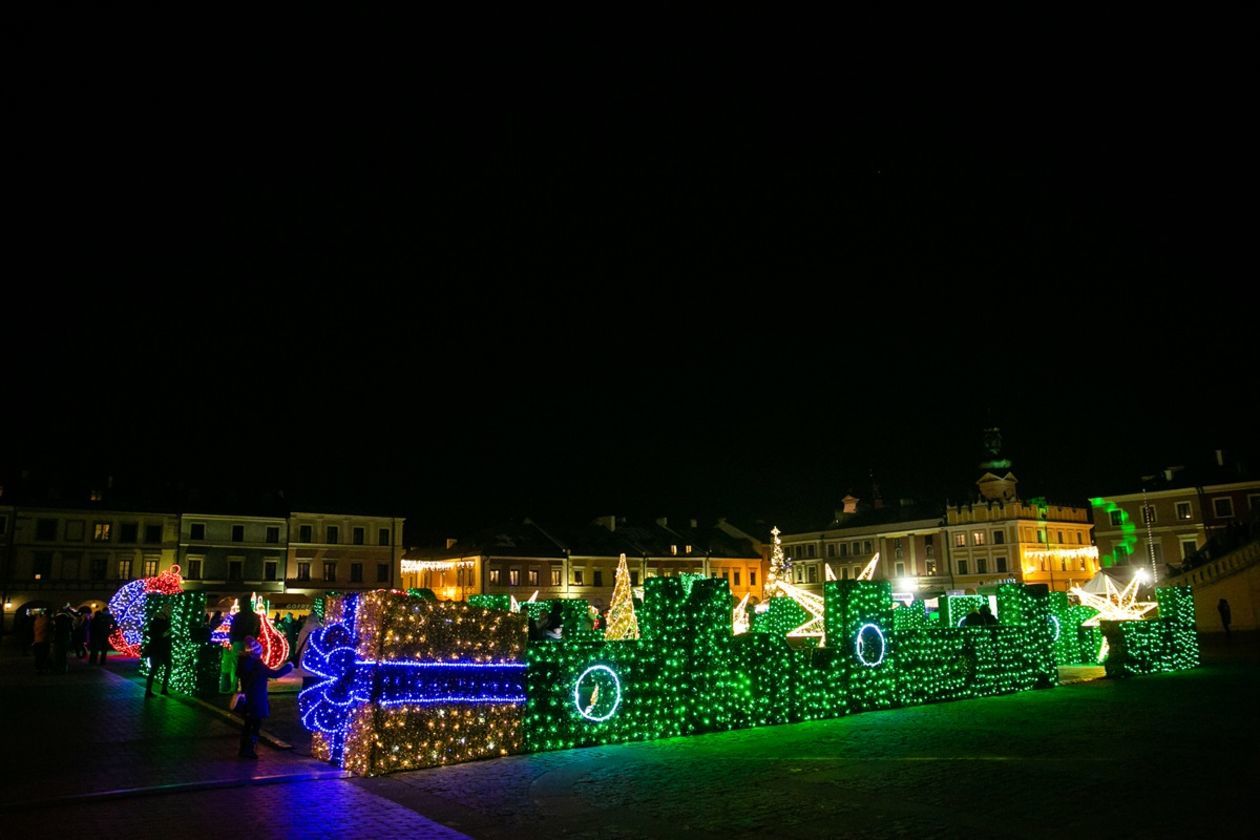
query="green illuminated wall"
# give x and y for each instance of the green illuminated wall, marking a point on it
(955, 607)
(194, 661)
(1167, 643)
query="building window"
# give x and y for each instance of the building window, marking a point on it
(532, 575)
(42, 565)
(962, 567)
(382, 573)
(304, 570)
(1000, 562)
(152, 534)
(1253, 502)
(236, 570)
(857, 548)
(124, 569)
(494, 577)
(736, 581)
(273, 534)
(844, 549)
(1223, 507)
(812, 549)
(599, 577)
(194, 569)
(866, 546)
(197, 531)
(150, 567)
(129, 532)
(1080, 538)
(901, 570)
(977, 537)
(1117, 518)
(752, 578)
(1184, 511)
(577, 577)
(330, 571)
(960, 539)
(1060, 535)
(305, 533)
(982, 565)
(45, 529)
(634, 577)
(332, 535)
(357, 535)
(999, 537)
(831, 549)
(238, 533)
(1063, 565)
(270, 569)
(356, 573)
(812, 574)
(1188, 547)
(555, 576)
(931, 564)
(514, 577)
(898, 551)
(1041, 535)
(1082, 564)
(97, 565)
(101, 531)
(1148, 514)
(382, 536)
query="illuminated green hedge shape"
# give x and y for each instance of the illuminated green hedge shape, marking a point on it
(913, 616)
(954, 608)
(194, 660)
(490, 602)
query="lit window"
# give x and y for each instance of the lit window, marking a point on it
(514, 577)
(1184, 511)
(494, 577)
(577, 577)
(960, 539)
(101, 531)
(555, 577)
(533, 577)
(977, 537)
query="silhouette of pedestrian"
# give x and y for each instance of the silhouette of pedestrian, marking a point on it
(1222, 607)
(158, 652)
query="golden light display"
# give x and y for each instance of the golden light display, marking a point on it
(622, 623)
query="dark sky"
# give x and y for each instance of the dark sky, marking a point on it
(467, 277)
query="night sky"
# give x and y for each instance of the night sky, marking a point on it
(460, 283)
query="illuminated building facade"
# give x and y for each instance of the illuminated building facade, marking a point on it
(524, 557)
(343, 552)
(1175, 515)
(995, 540)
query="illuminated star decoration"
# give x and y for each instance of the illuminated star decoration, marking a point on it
(1114, 605)
(779, 587)
(869, 572)
(739, 621)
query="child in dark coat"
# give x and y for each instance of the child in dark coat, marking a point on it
(253, 674)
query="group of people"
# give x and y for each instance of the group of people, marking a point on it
(979, 618)
(52, 636)
(551, 625)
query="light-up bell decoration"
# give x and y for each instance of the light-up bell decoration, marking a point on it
(127, 608)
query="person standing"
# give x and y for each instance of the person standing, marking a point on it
(158, 651)
(63, 627)
(102, 626)
(42, 628)
(253, 674)
(78, 638)
(1222, 607)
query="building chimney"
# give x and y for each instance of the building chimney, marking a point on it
(663, 521)
(1220, 457)
(694, 524)
(450, 541)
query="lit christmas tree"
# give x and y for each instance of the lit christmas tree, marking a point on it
(621, 621)
(779, 566)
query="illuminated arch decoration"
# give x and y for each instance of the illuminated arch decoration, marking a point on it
(861, 644)
(1057, 625)
(591, 705)
(127, 607)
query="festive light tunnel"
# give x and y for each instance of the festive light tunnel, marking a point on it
(127, 607)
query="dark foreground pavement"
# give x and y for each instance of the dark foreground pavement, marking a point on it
(1161, 756)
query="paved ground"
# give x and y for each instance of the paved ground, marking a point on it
(1162, 756)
